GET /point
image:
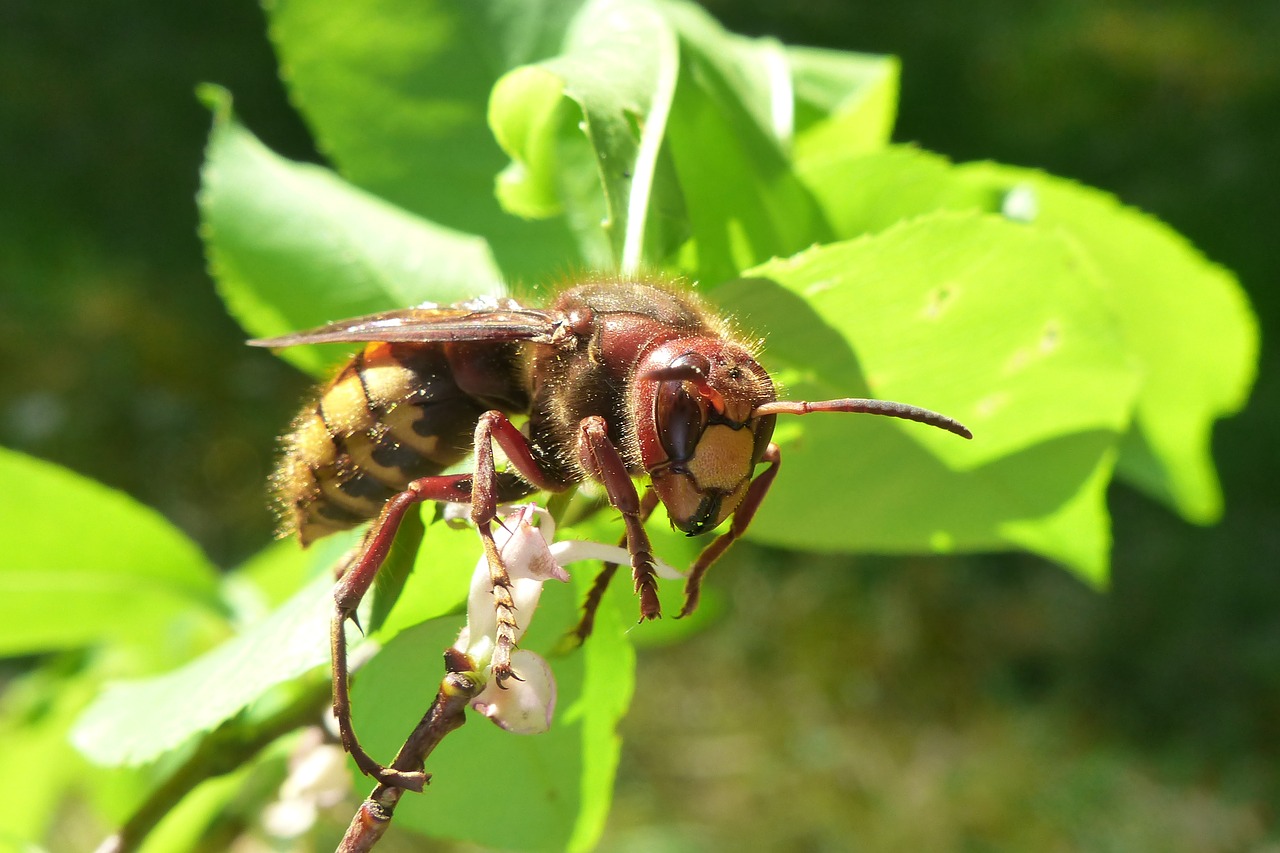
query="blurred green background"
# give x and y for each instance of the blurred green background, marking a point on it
(962, 704)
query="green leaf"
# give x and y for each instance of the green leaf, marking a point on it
(439, 580)
(937, 313)
(1185, 321)
(395, 571)
(1076, 533)
(38, 767)
(741, 98)
(608, 683)
(730, 125)
(268, 578)
(598, 161)
(1184, 318)
(293, 246)
(203, 812)
(845, 102)
(529, 116)
(133, 722)
(125, 574)
(396, 95)
(864, 193)
(137, 721)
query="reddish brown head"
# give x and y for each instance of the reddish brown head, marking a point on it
(699, 442)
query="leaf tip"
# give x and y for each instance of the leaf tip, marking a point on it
(217, 99)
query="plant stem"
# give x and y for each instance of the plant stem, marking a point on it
(446, 713)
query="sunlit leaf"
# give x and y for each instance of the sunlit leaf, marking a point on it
(597, 161)
(126, 574)
(938, 313)
(845, 102)
(861, 193)
(293, 246)
(133, 722)
(439, 579)
(1185, 320)
(396, 95)
(730, 127)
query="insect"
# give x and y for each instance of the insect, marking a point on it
(619, 380)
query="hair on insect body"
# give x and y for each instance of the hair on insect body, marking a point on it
(619, 380)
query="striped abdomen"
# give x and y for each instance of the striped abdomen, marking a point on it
(394, 413)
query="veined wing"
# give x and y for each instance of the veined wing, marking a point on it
(431, 325)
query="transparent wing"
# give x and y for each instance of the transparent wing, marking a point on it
(427, 325)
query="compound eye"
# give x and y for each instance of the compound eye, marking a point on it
(681, 416)
(681, 420)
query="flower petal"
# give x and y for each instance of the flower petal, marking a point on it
(575, 550)
(525, 704)
(525, 551)
(529, 563)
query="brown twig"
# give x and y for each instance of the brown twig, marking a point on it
(447, 713)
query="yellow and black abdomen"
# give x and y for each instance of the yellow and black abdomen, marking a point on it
(394, 413)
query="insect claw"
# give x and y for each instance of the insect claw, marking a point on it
(408, 780)
(502, 672)
(650, 606)
(648, 615)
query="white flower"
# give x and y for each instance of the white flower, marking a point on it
(318, 779)
(524, 703)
